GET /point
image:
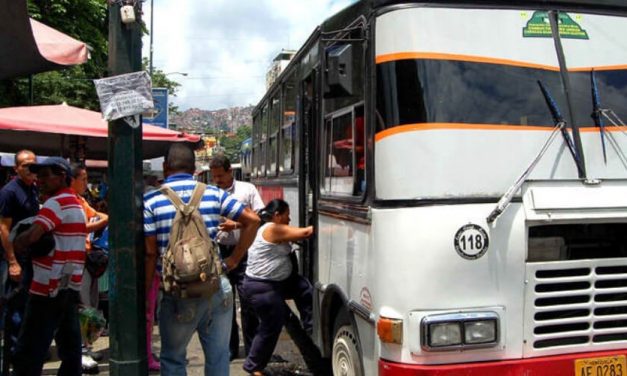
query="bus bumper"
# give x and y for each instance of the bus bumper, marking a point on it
(545, 366)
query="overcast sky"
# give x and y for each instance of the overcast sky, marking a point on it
(226, 46)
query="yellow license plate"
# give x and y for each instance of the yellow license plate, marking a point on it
(606, 366)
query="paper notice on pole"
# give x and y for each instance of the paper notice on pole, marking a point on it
(124, 95)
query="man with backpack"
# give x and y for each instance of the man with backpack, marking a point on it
(179, 221)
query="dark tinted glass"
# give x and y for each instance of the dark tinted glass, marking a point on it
(440, 91)
(612, 88)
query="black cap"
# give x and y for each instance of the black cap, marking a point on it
(54, 162)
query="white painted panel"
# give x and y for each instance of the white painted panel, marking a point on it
(417, 269)
(606, 46)
(585, 197)
(498, 34)
(488, 33)
(449, 163)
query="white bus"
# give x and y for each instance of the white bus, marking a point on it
(464, 165)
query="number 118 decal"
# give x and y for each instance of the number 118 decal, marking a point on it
(471, 241)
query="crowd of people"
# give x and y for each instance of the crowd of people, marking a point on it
(46, 219)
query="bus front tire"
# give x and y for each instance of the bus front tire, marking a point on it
(345, 358)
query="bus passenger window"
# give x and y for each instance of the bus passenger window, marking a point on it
(360, 156)
(342, 141)
(340, 156)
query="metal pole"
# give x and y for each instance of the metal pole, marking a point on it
(127, 320)
(152, 32)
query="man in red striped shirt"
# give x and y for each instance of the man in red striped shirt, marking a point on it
(52, 307)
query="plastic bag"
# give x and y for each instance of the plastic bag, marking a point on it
(92, 324)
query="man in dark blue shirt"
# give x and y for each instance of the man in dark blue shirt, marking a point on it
(18, 200)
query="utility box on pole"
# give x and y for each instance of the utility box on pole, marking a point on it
(127, 319)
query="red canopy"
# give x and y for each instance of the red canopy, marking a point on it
(28, 46)
(57, 47)
(52, 130)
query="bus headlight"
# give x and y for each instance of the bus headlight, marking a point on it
(445, 334)
(479, 332)
(459, 330)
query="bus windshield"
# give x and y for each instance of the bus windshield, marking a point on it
(499, 86)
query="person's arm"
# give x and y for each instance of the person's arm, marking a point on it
(249, 222)
(284, 233)
(28, 237)
(228, 225)
(151, 259)
(15, 270)
(150, 244)
(101, 223)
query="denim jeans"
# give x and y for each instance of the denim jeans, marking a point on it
(268, 300)
(47, 318)
(210, 318)
(248, 316)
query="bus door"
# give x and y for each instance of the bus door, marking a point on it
(309, 159)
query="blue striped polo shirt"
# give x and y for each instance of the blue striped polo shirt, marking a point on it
(159, 211)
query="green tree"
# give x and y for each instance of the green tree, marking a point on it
(87, 21)
(233, 144)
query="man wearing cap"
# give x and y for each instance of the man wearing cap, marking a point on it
(52, 306)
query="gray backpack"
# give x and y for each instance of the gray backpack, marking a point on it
(191, 264)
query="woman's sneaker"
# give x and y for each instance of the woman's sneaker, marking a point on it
(154, 366)
(90, 366)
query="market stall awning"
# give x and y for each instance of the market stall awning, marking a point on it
(55, 129)
(28, 46)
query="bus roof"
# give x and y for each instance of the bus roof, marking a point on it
(608, 4)
(364, 7)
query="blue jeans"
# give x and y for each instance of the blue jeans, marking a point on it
(268, 300)
(211, 318)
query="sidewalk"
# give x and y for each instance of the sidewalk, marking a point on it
(285, 349)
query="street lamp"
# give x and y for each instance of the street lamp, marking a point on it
(184, 74)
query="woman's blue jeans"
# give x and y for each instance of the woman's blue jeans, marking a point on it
(210, 318)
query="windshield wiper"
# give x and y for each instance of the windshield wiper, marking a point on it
(596, 112)
(560, 125)
(558, 118)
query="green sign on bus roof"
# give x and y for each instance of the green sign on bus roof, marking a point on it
(539, 27)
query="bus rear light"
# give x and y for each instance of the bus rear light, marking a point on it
(390, 330)
(459, 330)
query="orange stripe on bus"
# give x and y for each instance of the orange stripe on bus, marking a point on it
(489, 60)
(600, 68)
(465, 126)
(475, 59)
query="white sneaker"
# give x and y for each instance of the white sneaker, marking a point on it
(90, 366)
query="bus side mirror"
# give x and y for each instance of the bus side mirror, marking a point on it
(339, 71)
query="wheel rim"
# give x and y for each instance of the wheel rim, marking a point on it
(345, 358)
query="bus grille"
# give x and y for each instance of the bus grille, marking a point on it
(575, 306)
